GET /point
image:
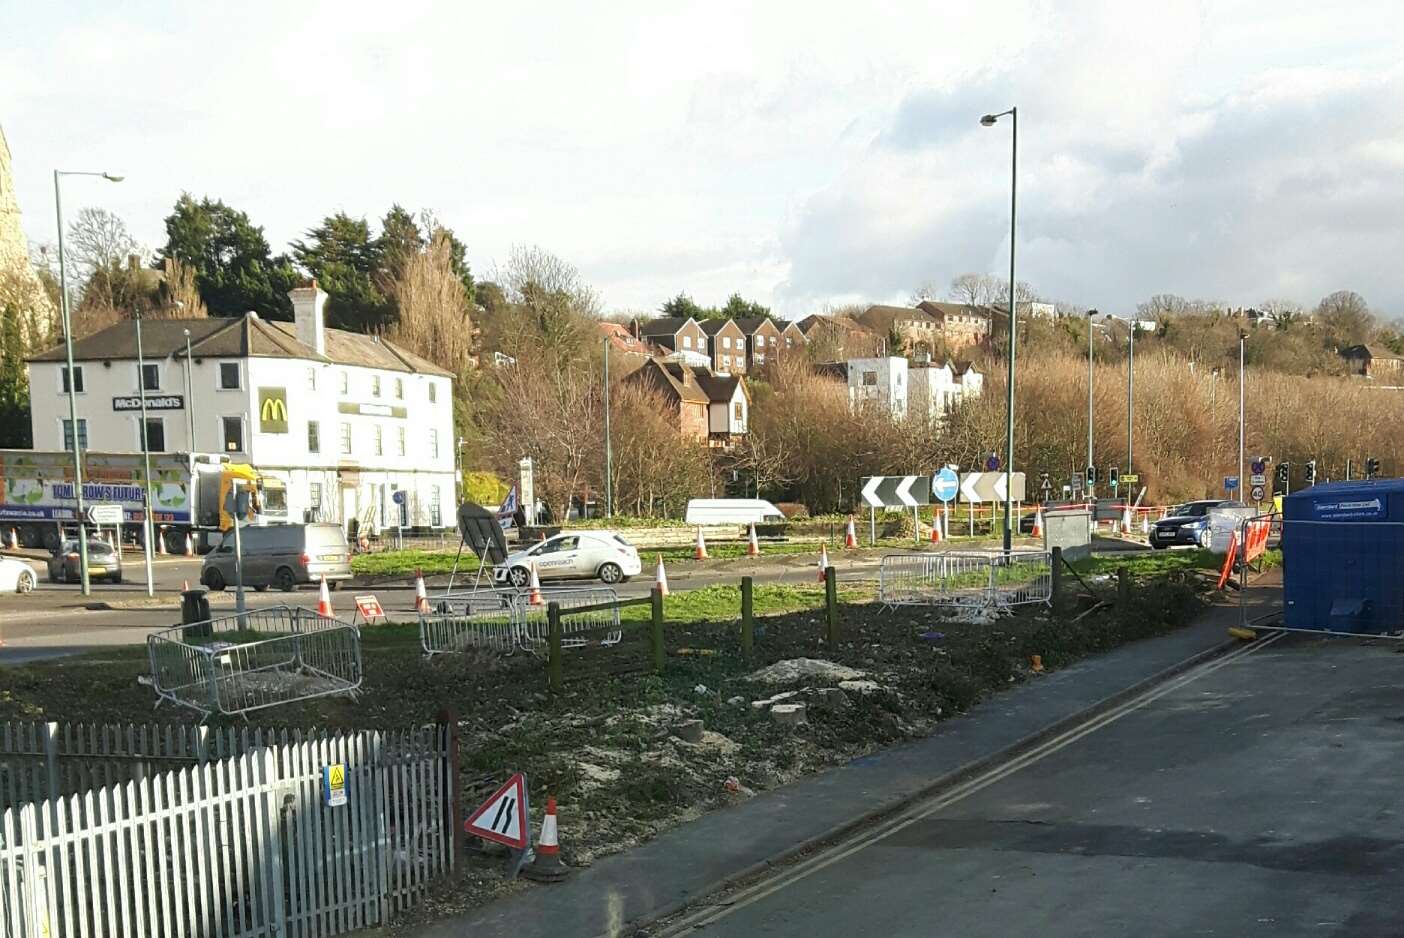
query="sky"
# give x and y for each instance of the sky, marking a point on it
(806, 155)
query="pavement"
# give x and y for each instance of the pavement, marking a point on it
(692, 862)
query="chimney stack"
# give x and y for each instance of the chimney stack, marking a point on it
(308, 303)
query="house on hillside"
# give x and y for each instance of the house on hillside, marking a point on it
(918, 330)
(878, 385)
(726, 345)
(706, 406)
(933, 390)
(762, 340)
(792, 336)
(837, 338)
(1373, 361)
(961, 326)
(680, 336)
(623, 340)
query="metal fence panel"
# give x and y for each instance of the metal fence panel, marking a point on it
(505, 620)
(259, 659)
(965, 578)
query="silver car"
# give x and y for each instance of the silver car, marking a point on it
(602, 555)
(280, 555)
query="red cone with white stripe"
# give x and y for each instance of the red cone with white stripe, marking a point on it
(935, 528)
(189, 546)
(752, 546)
(823, 560)
(324, 606)
(701, 552)
(547, 866)
(161, 539)
(1126, 520)
(1038, 523)
(14, 539)
(660, 578)
(850, 537)
(421, 595)
(535, 585)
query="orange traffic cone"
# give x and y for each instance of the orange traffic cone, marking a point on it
(535, 586)
(935, 528)
(823, 560)
(850, 537)
(189, 546)
(660, 579)
(701, 552)
(421, 596)
(1126, 520)
(1145, 522)
(1038, 523)
(324, 606)
(752, 547)
(547, 866)
(14, 539)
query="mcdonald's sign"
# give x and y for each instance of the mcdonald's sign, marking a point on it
(273, 410)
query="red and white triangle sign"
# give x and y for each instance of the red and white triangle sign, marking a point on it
(502, 818)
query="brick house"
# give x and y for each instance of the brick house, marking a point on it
(710, 407)
(917, 329)
(837, 338)
(961, 326)
(681, 335)
(792, 337)
(727, 346)
(762, 340)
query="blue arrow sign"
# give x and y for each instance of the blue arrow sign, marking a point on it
(945, 484)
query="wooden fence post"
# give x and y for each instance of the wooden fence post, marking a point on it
(831, 606)
(453, 784)
(656, 629)
(748, 619)
(1123, 587)
(553, 660)
(1056, 569)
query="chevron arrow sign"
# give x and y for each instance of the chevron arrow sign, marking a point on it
(989, 486)
(896, 491)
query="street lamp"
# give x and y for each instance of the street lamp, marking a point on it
(1242, 342)
(86, 584)
(148, 527)
(989, 121)
(1130, 381)
(189, 396)
(1090, 464)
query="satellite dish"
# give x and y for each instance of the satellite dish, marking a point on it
(480, 531)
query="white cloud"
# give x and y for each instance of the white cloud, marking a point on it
(798, 154)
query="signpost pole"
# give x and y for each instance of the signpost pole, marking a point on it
(239, 509)
(872, 526)
(916, 526)
(148, 528)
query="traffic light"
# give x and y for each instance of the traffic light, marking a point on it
(1372, 467)
(1113, 477)
(1311, 472)
(1091, 476)
(1283, 471)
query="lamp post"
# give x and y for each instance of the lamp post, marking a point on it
(86, 584)
(1130, 387)
(148, 528)
(1090, 464)
(189, 397)
(989, 121)
(1242, 342)
(608, 451)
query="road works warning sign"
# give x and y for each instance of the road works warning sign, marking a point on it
(502, 818)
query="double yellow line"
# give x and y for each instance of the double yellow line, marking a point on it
(755, 892)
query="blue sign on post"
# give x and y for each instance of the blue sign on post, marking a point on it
(1230, 483)
(945, 484)
(1259, 467)
(398, 497)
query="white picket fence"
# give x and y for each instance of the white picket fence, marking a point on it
(238, 846)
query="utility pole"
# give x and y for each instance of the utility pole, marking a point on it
(189, 397)
(1242, 341)
(989, 120)
(609, 454)
(1130, 387)
(148, 525)
(1090, 314)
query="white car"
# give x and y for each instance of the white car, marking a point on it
(602, 555)
(16, 576)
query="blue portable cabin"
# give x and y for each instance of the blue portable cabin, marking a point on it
(1343, 558)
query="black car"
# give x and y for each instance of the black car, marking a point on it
(1182, 526)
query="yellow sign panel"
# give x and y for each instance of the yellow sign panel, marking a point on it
(334, 784)
(273, 410)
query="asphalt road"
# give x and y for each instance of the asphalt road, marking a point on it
(1260, 798)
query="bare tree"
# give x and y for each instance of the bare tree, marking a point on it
(434, 309)
(979, 290)
(547, 302)
(1345, 318)
(99, 240)
(177, 297)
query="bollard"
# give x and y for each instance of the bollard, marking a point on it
(1123, 587)
(831, 606)
(1056, 565)
(748, 618)
(656, 630)
(553, 661)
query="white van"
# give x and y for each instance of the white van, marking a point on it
(731, 511)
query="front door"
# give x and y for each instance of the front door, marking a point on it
(348, 506)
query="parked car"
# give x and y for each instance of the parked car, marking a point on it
(16, 576)
(104, 563)
(1182, 526)
(281, 555)
(603, 555)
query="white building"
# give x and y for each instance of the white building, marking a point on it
(878, 383)
(344, 419)
(900, 389)
(933, 390)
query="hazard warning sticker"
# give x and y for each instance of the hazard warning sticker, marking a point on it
(502, 818)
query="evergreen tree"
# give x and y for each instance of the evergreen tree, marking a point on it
(234, 269)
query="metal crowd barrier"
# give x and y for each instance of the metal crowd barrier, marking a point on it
(504, 620)
(240, 663)
(964, 578)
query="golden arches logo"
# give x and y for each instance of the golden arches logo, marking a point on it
(274, 410)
